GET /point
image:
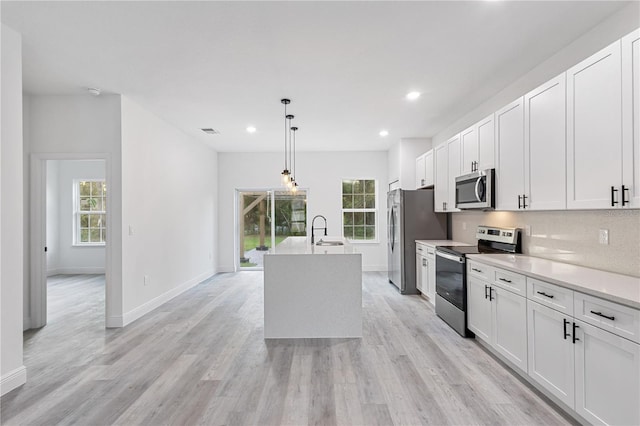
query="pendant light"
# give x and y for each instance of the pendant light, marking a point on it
(294, 184)
(290, 117)
(286, 176)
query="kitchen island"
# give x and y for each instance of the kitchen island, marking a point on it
(312, 291)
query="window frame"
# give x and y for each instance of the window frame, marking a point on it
(374, 210)
(77, 213)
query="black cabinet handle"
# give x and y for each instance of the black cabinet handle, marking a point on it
(600, 314)
(486, 287)
(519, 204)
(613, 201)
(624, 200)
(564, 328)
(524, 201)
(490, 298)
(550, 296)
(477, 270)
(505, 280)
(575, 339)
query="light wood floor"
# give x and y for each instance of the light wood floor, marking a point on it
(202, 359)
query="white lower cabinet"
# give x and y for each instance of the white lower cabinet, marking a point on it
(431, 275)
(551, 353)
(499, 317)
(607, 377)
(425, 272)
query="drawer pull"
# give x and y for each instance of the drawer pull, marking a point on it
(575, 339)
(600, 314)
(505, 280)
(486, 287)
(564, 328)
(419, 249)
(477, 270)
(550, 296)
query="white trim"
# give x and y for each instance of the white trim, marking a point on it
(114, 322)
(225, 269)
(76, 270)
(375, 268)
(13, 379)
(157, 301)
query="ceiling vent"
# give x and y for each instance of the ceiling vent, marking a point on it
(210, 131)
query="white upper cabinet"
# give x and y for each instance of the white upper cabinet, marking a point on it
(424, 170)
(594, 131)
(631, 117)
(510, 170)
(544, 143)
(477, 146)
(469, 149)
(441, 180)
(455, 160)
(486, 143)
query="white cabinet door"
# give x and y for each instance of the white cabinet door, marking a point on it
(631, 117)
(420, 172)
(419, 278)
(424, 276)
(454, 171)
(594, 131)
(509, 318)
(545, 143)
(551, 351)
(479, 308)
(431, 274)
(607, 377)
(428, 168)
(441, 192)
(486, 143)
(469, 150)
(510, 170)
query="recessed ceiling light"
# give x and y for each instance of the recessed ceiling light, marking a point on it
(251, 129)
(384, 133)
(412, 96)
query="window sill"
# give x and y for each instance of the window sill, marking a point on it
(89, 245)
(362, 242)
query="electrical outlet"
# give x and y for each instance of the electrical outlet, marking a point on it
(527, 230)
(603, 236)
(146, 280)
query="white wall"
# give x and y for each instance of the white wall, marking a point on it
(322, 174)
(85, 127)
(401, 161)
(12, 370)
(62, 256)
(169, 196)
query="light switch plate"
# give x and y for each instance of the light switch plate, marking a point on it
(603, 236)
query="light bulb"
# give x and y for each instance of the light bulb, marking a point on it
(285, 176)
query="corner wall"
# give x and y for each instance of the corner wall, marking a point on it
(169, 206)
(12, 371)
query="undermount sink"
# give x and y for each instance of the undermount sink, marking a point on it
(329, 243)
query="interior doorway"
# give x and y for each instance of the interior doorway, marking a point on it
(69, 234)
(264, 219)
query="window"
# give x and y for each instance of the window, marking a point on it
(359, 213)
(90, 205)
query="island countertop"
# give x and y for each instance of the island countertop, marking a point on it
(302, 245)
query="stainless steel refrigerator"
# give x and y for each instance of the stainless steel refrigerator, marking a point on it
(410, 217)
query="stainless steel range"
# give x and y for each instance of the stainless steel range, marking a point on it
(451, 272)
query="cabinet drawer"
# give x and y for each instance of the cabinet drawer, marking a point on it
(421, 248)
(431, 252)
(513, 282)
(618, 319)
(551, 295)
(480, 270)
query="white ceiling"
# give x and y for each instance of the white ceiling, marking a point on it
(345, 65)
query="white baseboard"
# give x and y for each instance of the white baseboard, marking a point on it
(13, 379)
(26, 323)
(76, 270)
(225, 269)
(114, 322)
(152, 304)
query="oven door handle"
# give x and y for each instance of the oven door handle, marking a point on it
(450, 257)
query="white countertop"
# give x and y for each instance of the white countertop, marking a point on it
(434, 243)
(623, 289)
(302, 245)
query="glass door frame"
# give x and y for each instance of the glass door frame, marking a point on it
(271, 213)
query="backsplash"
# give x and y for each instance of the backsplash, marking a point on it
(566, 236)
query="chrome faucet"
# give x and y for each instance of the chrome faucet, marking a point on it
(313, 221)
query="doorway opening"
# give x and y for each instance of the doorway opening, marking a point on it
(264, 219)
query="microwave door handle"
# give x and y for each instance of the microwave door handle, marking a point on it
(476, 189)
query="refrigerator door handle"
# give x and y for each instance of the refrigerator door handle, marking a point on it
(393, 229)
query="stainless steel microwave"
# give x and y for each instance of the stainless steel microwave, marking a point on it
(476, 190)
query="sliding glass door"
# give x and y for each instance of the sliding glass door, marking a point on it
(265, 219)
